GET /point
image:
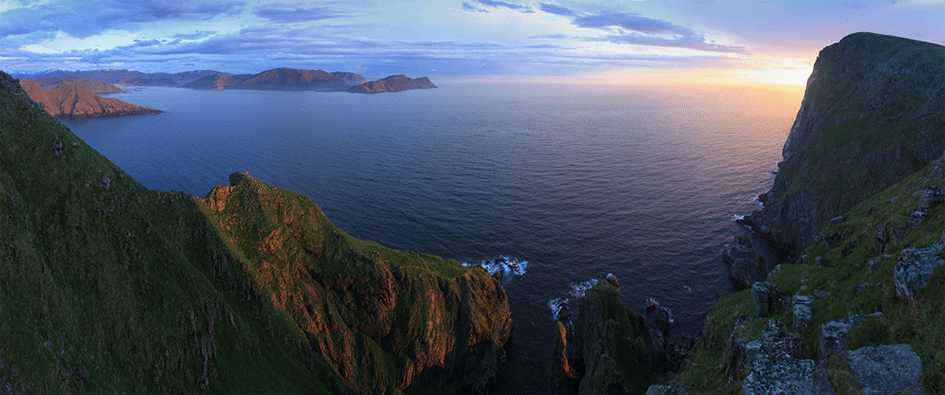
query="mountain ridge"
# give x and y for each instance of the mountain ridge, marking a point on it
(111, 287)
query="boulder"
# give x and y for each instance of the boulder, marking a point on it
(836, 221)
(931, 197)
(914, 269)
(882, 238)
(833, 334)
(802, 312)
(916, 218)
(775, 368)
(768, 298)
(886, 369)
(745, 266)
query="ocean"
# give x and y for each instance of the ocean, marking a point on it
(572, 181)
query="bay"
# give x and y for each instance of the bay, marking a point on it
(576, 180)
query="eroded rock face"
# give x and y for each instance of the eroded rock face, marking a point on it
(833, 334)
(768, 299)
(385, 320)
(886, 369)
(745, 266)
(775, 368)
(607, 347)
(914, 269)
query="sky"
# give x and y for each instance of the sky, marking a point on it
(594, 41)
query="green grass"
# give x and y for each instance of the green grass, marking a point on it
(917, 323)
(117, 288)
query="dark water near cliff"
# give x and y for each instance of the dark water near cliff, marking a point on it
(579, 181)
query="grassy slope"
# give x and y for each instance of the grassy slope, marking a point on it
(397, 311)
(917, 323)
(108, 286)
(107, 289)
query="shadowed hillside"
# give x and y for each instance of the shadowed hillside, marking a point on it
(111, 287)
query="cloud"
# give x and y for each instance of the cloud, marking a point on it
(631, 22)
(627, 28)
(498, 4)
(297, 13)
(82, 19)
(555, 9)
(471, 7)
(691, 42)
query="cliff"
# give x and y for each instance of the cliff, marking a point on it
(394, 83)
(111, 287)
(859, 311)
(873, 113)
(73, 99)
(280, 79)
(603, 347)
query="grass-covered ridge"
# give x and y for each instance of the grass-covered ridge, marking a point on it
(851, 287)
(110, 287)
(359, 301)
(872, 115)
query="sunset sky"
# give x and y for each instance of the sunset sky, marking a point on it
(749, 42)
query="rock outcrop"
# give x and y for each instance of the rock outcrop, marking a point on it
(857, 132)
(745, 266)
(73, 99)
(886, 369)
(833, 334)
(915, 268)
(775, 368)
(385, 320)
(605, 349)
(394, 83)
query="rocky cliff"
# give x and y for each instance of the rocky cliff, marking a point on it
(72, 98)
(859, 197)
(111, 287)
(394, 83)
(603, 347)
(873, 113)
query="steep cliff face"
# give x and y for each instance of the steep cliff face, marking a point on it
(381, 317)
(72, 98)
(394, 83)
(110, 287)
(873, 113)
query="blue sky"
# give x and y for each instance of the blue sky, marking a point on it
(757, 41)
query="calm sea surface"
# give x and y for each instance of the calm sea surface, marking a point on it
(578, 181)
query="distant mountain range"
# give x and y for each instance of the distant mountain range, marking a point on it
(276, 79)
(126, 77)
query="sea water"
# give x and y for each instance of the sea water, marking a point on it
(571, 182)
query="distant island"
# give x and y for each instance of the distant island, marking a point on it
(282, 78)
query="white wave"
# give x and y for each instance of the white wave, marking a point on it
(578, 289)
(556, 305)
(509, 266)
(736, 217)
